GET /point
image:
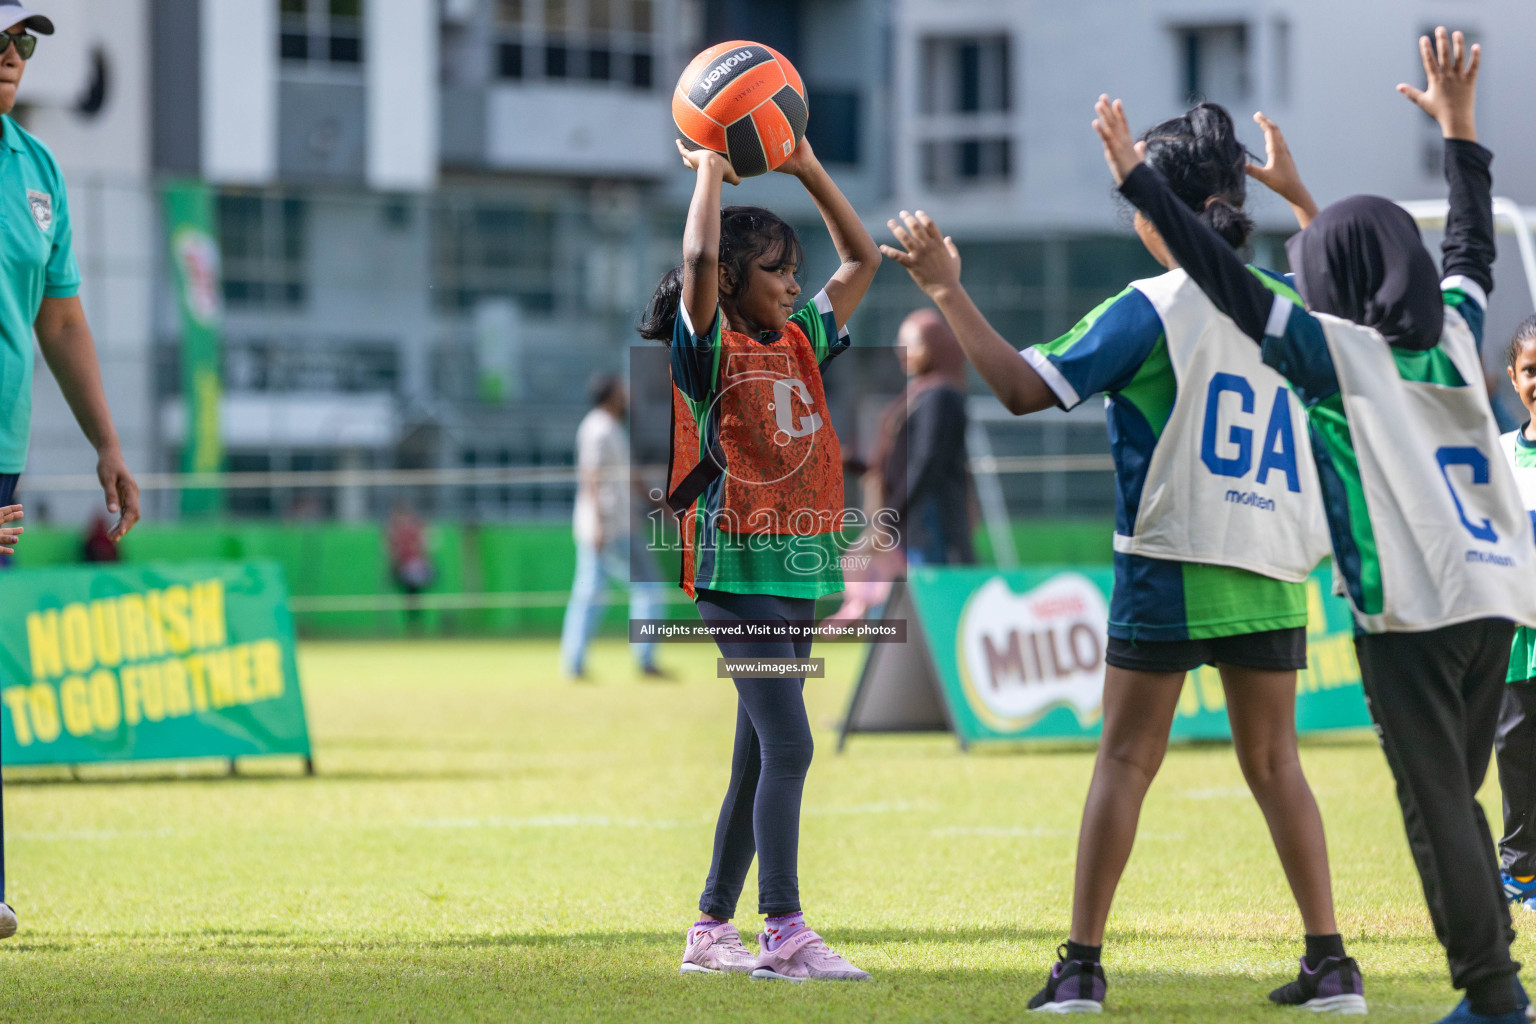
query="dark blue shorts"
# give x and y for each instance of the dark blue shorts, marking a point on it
(8, 487)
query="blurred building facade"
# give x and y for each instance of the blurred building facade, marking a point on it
(438, 218)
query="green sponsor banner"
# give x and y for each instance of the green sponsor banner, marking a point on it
(1019, 655)
(199, 289)
(148, 662)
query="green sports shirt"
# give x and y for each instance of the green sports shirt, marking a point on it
(781, 564)
(37, 261)
(1522, 655)
(1121, 349)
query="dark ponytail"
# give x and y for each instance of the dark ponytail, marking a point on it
(1206, 166)
(660, 317)
(748, 235)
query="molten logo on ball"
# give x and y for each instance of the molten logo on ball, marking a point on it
(743, 100)
(719, 70)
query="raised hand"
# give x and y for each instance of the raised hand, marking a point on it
(929, 256)
(1120, 152)
(801, 161)
(1450, 72)
(1279, 173)
(694, 159)
(9, 535)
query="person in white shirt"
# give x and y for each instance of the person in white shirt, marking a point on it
(605, 542)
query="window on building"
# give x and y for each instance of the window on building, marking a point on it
(966, 75)
(603, 41)
(1281, 36)
(492, 250)
(967, 97)
(321, 32)
(1213, 63)
(834, 131)
(262, 243)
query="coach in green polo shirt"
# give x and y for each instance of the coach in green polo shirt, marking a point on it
(39, 292)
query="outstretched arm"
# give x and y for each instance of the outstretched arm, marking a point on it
(1279, 173)
(67, 345)
(701, 238)
(1449, 96)
(934, 263)
(860, 259)
(1202, 253)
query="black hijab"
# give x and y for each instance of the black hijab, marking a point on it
(1363, 259)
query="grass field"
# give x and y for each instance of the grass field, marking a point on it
(484, 842)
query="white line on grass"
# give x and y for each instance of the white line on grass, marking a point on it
(549, 821)
(1034, 832)
(91, 835)
(885, 808)
(998, 831)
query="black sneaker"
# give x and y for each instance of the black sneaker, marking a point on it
(1074, 986)
(1334, 987)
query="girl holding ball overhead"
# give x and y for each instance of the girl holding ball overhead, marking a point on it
(756, 480)
(1199, 578)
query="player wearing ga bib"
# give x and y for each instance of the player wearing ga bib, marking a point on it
(1199, 552)
(1217, 519)
(756, 474)
(1430, 541)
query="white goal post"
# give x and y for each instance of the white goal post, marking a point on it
(1509, 218)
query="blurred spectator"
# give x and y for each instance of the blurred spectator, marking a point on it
(99, 545)
(307, 506)
(409, 562)
(920, 458)
(607, 548)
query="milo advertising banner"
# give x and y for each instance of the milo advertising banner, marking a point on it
(1019, 655)
(146, 662)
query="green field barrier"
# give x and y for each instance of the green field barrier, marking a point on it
(1018, 654)
(148, 662)
(340, 559)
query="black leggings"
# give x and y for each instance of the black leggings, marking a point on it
(761, 812)
(1514, 746)
(1434, 697)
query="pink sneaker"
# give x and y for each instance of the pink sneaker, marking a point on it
(804, 957)
(716, 950)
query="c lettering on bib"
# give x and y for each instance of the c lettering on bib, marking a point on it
(1477, 462)
(1232, 456)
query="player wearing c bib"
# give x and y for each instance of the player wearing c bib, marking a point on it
(1514, 745)
(1218, 522)
(756, 480)
(1429, 539)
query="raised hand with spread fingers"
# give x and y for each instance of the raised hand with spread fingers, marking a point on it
(1450, 71)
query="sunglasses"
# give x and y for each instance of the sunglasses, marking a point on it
(25, 45)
